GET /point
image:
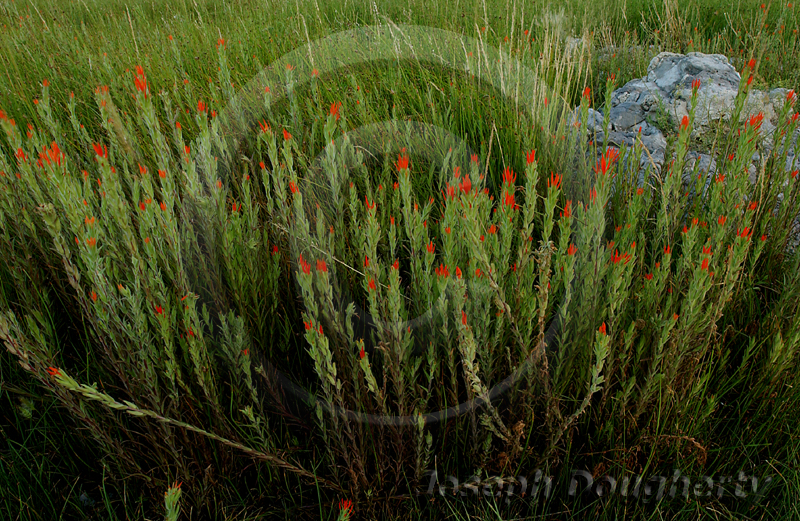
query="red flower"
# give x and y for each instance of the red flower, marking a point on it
(492, 229)
(220, 42)
(508, 199)
(361, 356)
(685, 122)
(704, 265)
(602, 329)
(346, 505)
(463, 317)
(530, 157)
(509, 176)
(615, 258)
(264, 126)
(695, 85)
(402, 161)
(458, 272)
(140, 81)
(466, 184)
(572, 250)
(706, 250)
(667, 250)
(752, 63)
(91, 242)
(335, 109)
(308, 325)
(54, 372)
(430, 247)
(794, 174)
(753, 205)
(305, 266)
(554, 181)
(372, 285)
(321, 266)
(396, 264)
(755, 121)
(722, 220)
(292, 187)
(100, 150)
(159, 310)
(369, 206)
(274, 250)
(286, 135)
(567, 213)
(649, 276)
(586, 92)
(366, 261)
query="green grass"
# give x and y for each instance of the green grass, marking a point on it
(64, 454)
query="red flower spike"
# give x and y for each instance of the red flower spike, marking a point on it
(286, 135)
(571, 250)
(602, 329)
(54, 372)
(346, 505)
(322, 266)
(463, 318)
(372, 285)
(335, 109)
(509, 177)
(402, 161)
(466, 185)
(554, 181)
(530, 157)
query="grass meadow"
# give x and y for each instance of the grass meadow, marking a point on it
(290, 260)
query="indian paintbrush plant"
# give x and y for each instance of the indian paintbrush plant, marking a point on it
(388, 300)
